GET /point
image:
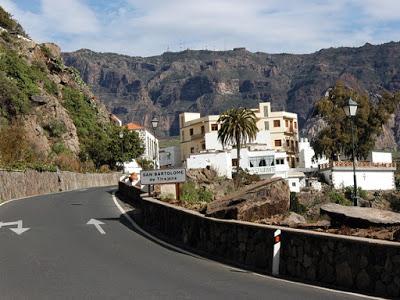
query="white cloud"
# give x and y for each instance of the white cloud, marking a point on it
(140, 27)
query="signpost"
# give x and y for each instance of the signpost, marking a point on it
(163, 176)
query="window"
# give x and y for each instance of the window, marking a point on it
(262, 163)
(202, 130)
(192, 150)
(280, 161)
(287, 143)
(266, 111)
(277, 123)
(293, 183)
(266, 125)
(295, 125)
(286, 123)
(191, 131)
(214, 127)
(234, 162)
(278, 143)
(203, 146)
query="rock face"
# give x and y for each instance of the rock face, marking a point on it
(360, 216)
(258, 201)
(47, 109)
(211, 81)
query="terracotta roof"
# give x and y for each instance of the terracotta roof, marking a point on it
(133, 126)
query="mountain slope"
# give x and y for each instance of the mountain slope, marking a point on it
(40, 99)
(135, 88)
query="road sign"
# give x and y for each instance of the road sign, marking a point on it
(163, 176)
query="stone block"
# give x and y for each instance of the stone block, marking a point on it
(344, 276)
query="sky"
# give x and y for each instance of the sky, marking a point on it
(151, 27)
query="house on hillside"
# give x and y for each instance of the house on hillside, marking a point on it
(149, 143)
(375, 174)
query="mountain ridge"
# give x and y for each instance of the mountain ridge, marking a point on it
(137, 88)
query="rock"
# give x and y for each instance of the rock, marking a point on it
(360, 216)
(258, 201)
(293, 220)
(39, 99)
(363, 280)
(344, 276)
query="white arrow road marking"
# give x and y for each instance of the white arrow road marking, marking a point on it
(97, 224)
(19, 230)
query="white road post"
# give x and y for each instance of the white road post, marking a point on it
(276, 253)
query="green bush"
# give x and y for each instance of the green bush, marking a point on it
(59, 148)
(339, 198)
(348, 192)
(191, 194)
(55, 128)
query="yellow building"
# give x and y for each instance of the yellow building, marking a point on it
(192, 132)
(282, 125)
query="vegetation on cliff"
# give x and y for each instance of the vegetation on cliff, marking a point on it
(48, 116)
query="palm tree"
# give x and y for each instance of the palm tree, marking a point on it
(238, 126)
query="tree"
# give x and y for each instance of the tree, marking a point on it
(238, 125)
(335, 138)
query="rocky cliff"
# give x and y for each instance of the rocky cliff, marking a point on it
(135, 88)
(33, 86)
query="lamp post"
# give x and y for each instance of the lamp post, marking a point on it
(351, 109)
(154, 124)
(121, 136)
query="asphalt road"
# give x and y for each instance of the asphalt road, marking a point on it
(61, 257)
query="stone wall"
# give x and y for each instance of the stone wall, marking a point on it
(343, 262)
(29, 183)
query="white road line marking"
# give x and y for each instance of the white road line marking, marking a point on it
(96, 224)
(146, 234)
(19, 230)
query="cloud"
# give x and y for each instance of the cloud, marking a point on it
(140, 27)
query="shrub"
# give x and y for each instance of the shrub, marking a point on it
(190, 193)
(104, 169)
(59, 148)
(55, 128)
(68, 162)
(339, 198)
(348, 192)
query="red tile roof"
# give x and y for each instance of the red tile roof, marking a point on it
(133, 126)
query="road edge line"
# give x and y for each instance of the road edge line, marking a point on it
(163, 243)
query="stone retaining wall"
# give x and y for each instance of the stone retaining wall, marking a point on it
(29, 183)
(350, 263)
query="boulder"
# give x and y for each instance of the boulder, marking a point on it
(260, 200)
(359, 216)
(40, 99)
(293, 220)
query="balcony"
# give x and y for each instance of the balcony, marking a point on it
(261, 170)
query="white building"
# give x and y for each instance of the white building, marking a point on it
(307, 157)
(149, 143)
(377, 174)
(170, 157)
(220, 161)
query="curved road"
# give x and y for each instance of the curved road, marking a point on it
(62, 257)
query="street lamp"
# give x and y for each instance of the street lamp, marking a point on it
(154, 123)
(121, 136)
(351, 109)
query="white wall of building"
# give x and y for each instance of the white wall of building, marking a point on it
(294, 184)
(150, 144)
(381, 157)
(221, 162)
(212, 143)
(366, 179)
(306, 156)
(170, 156)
